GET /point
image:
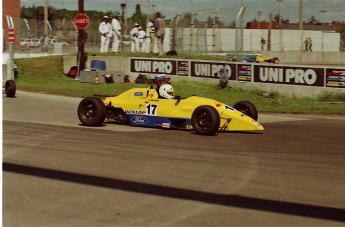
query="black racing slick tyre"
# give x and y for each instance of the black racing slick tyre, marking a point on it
(205, 120)
(10, 88)
(247, 108)
(91, 111)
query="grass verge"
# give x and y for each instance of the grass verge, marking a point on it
(45, 75)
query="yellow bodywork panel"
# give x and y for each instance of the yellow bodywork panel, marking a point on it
(146, 101)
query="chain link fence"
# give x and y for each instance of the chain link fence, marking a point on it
(195, 37)
(62, 36)
(190, 35)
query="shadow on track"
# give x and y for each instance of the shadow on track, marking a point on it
(312, 211)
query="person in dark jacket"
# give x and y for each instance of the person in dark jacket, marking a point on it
(160, 32)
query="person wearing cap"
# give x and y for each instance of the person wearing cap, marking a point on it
(142, 40)
(160, 32)
(106, 33)
(134, 38)
(115, 24)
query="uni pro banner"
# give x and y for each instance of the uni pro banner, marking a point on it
(211, 69)
(306, 76)
(154, 66)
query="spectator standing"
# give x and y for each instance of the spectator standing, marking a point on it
(160, 32)
(115, 24)
(134, 38)
(263, 42)
(106, 33)
(44, 43)
(310, 44)
(224, 78)
(306, 44)
(151, 34)
(142, 40)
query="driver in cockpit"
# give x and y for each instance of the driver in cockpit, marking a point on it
(166, 91)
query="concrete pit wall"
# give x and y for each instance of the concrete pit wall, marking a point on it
(116, 63)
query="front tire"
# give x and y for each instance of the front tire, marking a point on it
(205, 120)
(247, 108)
(91, 111)
(10, 88)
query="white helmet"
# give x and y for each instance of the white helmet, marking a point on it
(166, 91)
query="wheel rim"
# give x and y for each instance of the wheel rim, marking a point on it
(90, 112)
(8, 88)
(244, 110)
(204, 120)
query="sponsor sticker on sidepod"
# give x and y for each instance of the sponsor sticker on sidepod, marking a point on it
(139, 120)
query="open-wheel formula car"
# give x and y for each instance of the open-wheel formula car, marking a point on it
(258, 58)
(148, 107)
(262, 58)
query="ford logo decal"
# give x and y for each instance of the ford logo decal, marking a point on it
(138, 94)
(139, 120)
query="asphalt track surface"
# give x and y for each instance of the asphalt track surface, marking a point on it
(59, 173)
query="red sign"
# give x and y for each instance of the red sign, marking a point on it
(81, 20)
(11, 35)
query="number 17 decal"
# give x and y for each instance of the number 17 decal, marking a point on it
(151, 109)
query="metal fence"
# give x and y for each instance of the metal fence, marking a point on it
(185, 35)
(64, 31)
(197, 37)
(193, 35)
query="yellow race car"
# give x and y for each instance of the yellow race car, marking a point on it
(262, 58)
(158, 108)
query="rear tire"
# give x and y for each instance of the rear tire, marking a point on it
(247, 108)
(91, 111)
(10, 88)
(205, 120)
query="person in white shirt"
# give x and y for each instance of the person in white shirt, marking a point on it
(115, 24)
(106, 33)
(151, 34)
(142, 40)
(134, 38)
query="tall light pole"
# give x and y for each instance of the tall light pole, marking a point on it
(126, 25)
(301, 15)
(81, 39)
(123, 8)
(149, 3)
(191, 8)
(259, 18)
(323, 15)
(45, 17)
(279, 2)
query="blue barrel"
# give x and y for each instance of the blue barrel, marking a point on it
(98, 65)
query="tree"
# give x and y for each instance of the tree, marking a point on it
(138, 17)
(313, 20)
(255, 20)
(217, 22)
(277, 17)
(28, 12)
(232, 24)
